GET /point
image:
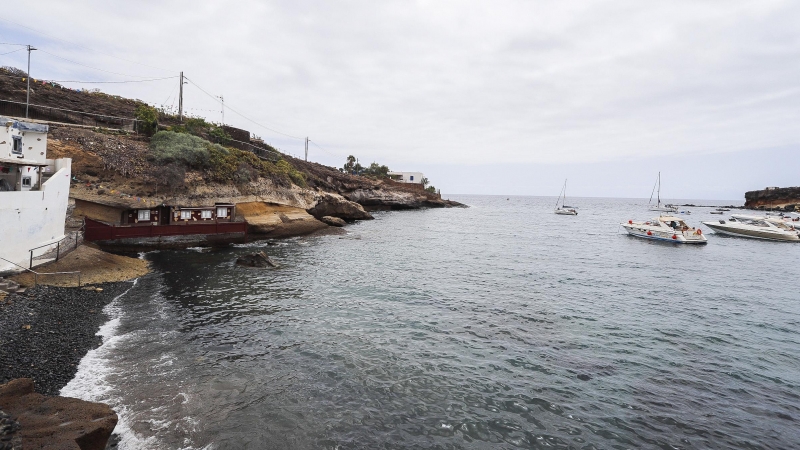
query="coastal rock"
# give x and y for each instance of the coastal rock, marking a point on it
(786, 199)
(57, 422)
(335, 205)
(333, 221)
(259, 259)
(398, 199)
(276, 221)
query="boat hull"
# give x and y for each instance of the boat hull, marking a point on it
(566, 212)
(640, 231)
(752, 234)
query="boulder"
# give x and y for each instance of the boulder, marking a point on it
(335, 205)
(259, 259)
(333, 221)
(56, 422)
(277, 221)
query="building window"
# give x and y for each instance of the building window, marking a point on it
(17, 147)
(144, 214)
(222, 212)
(205, 214)
(411, 177)
(26, 182)
(186, 215)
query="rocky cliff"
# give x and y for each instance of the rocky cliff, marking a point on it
(114, 168)
(787, 199)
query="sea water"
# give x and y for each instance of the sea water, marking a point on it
(501, 325)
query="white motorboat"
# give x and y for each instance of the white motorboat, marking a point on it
(666, 228)
(658, 207)
(756, 227)
(564, 210)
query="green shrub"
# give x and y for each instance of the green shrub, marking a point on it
(168, 146)
(148, 119)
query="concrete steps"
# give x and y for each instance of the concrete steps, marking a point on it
(8, 287)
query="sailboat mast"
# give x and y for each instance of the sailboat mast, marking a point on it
(659, 189)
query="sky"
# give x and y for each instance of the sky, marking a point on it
(485, 97)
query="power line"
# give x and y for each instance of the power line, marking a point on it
(81, 46)
(12, 51)
(95, 68)
(320, 147)
(242, 115)
(92, 82)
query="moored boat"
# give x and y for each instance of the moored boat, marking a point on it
(756, 227)
(666, 228)
(658, 207)
(564, 210)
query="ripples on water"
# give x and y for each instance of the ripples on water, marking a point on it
(498, 326)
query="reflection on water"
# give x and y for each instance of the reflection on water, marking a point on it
(502, 325)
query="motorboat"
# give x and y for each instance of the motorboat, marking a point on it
(715, 212)
(658, 207)
(564, 210)
(666, 228)
(756, 227)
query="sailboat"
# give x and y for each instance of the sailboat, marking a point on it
(657, 206)
(564, 210)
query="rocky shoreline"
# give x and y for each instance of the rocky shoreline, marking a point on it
(46, 331)
(44, 334)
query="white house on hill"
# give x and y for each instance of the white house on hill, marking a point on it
(407, 177)
(34, 193)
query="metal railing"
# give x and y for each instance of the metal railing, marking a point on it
(37, 274)
(77, 235)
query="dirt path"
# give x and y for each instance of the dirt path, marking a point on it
(96, 266)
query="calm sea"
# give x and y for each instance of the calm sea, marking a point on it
(501, 325)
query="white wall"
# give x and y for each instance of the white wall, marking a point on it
(407, 176)
(34, 143)
(33, 218)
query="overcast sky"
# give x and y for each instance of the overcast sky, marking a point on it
(493, 97)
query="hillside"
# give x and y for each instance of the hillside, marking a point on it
(119, 166)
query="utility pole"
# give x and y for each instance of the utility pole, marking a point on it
(222, 99)
(180, 100)
(306, 148)
(28, 98)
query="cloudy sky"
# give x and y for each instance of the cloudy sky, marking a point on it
(500, 97)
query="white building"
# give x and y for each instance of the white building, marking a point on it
(407, 177)
(34, 193)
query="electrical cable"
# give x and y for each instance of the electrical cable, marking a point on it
(12, 51)
(320, 147)
(84, 47)
(95, 68)
(242, 115)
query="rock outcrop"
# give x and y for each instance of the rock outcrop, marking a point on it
(333, 221)
(276, 221)
(56, 422)
(335, 205)
(379, 199)
(258, 259)
(787, 199)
